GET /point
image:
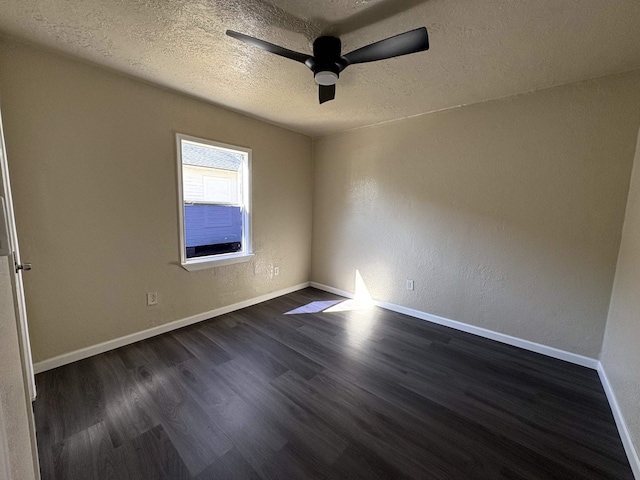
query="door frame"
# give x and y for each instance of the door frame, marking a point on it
(21, 312)
(26, 359)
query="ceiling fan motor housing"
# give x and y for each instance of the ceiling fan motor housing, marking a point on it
(327, 61)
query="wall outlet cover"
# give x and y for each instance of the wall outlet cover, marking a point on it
(152, 298)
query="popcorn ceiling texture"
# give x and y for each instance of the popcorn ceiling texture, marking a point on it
(480, 50)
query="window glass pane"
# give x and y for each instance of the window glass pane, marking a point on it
(210, 185)
(211, 175)
(213, 207)
(212, 229)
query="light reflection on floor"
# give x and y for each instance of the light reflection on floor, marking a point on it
(314, 307)
(359, 327)
(349, 305)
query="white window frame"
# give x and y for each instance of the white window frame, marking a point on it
(211, 261)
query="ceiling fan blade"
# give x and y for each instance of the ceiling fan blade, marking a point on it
(326, 93)
(409, 42)
(269, 47)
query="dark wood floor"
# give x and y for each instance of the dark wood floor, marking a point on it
(362, 394)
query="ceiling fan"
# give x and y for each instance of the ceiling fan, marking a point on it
(327, 61)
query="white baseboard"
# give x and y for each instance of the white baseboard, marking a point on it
(152, 332)
(629, 448)
(481, 332)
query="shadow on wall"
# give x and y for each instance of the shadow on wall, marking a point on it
(466, 221)
(507, 214)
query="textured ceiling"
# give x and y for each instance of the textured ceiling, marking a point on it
(480, 50)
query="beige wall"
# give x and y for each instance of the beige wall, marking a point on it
(507, 214)
(13, 396)
(93, 164)
(621, 348)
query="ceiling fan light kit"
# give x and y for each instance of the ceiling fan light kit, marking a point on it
(327, 61)
(326, 78)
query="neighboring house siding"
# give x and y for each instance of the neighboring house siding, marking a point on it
(210, 184)
(212, 224)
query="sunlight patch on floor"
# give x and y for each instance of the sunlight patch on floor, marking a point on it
(314, 307)
(361, 301)
(358, 326)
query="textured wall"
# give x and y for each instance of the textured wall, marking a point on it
(621, 348)
(93, 165)
(507, 214)
(13, 397)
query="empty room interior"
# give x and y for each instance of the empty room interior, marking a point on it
(296, 239)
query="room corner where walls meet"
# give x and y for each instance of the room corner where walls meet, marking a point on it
(507, 214)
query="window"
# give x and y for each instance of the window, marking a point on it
(214, 191)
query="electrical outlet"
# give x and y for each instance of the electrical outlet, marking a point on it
(152, 298)
(276, 271)
(410, 285)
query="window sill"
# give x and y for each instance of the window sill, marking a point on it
(218, 261)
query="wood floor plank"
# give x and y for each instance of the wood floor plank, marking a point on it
(541, 438)
(358, 462)
(479, 451)
(287, 357)
(200, 346)
(358, 423)
(168, 403)
(151, 455)
(86, 455)
(231, 466)
(301, 425)
(254, 435)
(349, 394)
(66, 387)
(232, 340)
(124, 412)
